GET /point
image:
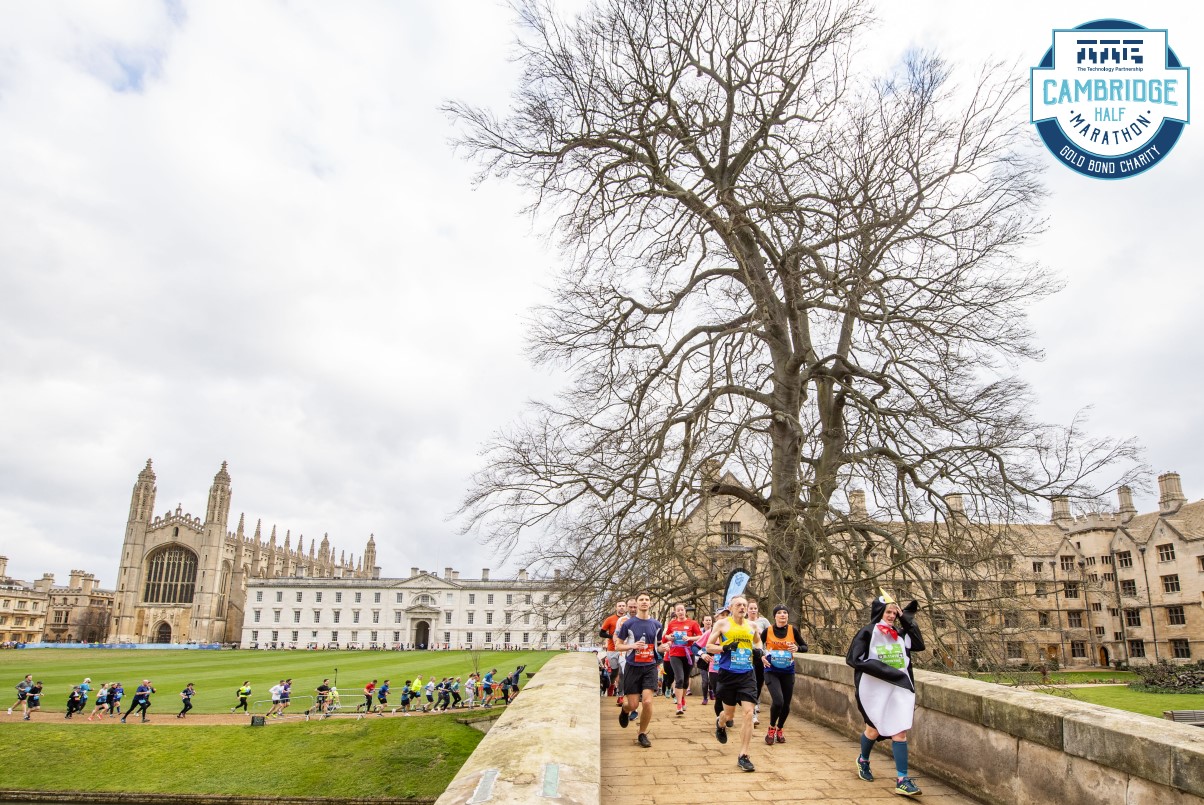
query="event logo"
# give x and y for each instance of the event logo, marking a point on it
(1110, 98)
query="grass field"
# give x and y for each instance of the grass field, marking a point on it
(1123, 698)
(217, 674)
(377, 757)
(1057, 677)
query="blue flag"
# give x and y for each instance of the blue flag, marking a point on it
(736, 583)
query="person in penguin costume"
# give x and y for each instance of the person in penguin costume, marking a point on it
(885, 686)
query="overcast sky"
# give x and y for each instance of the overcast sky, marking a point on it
(236, 232)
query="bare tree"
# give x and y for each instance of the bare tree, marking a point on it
(773, 265)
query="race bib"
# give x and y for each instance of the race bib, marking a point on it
(679, 638)
(645, 655)
(741, 659)
(780, 658)
(892, 655)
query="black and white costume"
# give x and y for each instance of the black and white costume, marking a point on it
(881, 660)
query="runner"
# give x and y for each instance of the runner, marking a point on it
(759, 623)
(428, 690)
(141, 700)
(680, 634)
(416, 690)
(73, 699)
(781, 641)
(286, 695)
(880, 655)
(487, 688)
(639, 635)
(22, 690)
(470, 690)
(455, 692)
(243, 693)
(369, 689)
(186, 696)
(733, 639)
(102, 701)
(275, 692)
(382, 696)
(322, 701)
(630, 608)
(703, 660)
(116, 693)
(609, 627)
(33, 699)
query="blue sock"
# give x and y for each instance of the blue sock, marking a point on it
(899, 750)
(867, 746)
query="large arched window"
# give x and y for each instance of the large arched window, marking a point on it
(170, 576)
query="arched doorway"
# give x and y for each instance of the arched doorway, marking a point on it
(1103, 656)
(163, 633)
(422, 634)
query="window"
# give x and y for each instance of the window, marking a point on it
(170, 577)
(1099, 632)
(1175, 616)
(1109, 577)
(298, 596)
(1072, 589)
(509, 599)
(1015, 651)
(397, 598)
(397, 637)
(1096, 606)
(449, 598)
(1066, 563)
(257, 616)
(526, 599)
(1200, 563)
(376, 598)
(254, 635)
(337, 614)
(1166, 552)
(355, 616)
(1038, 567)
(1008, 588)
(527, 619)
(488, 618)
(1114, 612)
(1091, 561)
(969, 589)
(275, 616)
(507, 618)
(447, 617)
(938, 589)
(376, 616)
(973, 618)
(1133, 617)
(506, 637)
(372, 636)
(259, 595)
(1105, 560)
(1118, 636)
(1041, 589)
(296, 616)
(730, 532)
(318, 597)
(358, 597)
(355, 637)
(1011, 619)
(275, 636)
(279, 596)
(1078, 649)
(1128, 587)
(472, 598)
(547, 597)
(1170, 584)
(447, 637)
(526, 637)
(295, 634)
(397, 616)
(317, 616)
(488, 599)
(470, 617)
(1043, 619)
(1124, 559)
(1181, 649)
(338, 597)
(489, 637)
(1006, 562)
(1136, 648)
(1093, 577)
(1074, 619)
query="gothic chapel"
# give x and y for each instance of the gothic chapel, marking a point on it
(183, 579)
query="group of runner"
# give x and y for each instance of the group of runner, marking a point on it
(738, 653)
(109, 697)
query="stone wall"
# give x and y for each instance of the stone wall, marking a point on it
(544, 748)
(1003, 745)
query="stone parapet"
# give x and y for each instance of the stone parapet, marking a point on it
(1009, 746)
(544, 748)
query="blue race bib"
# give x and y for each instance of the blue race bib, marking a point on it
(741, 659)
(781, 659)
(679, 638)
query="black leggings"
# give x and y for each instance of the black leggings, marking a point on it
(681, 672)
(759, 671)
(781, 691)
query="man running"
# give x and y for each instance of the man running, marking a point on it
(382, 697)
(275, 692)
(759, 623)
(639, 636)
(286, 697)
(781, 641)
(733, 640)
(487, 689)
(141, 700)
(369, 689)
(243, 693)
(680, 634)
(22, 691)
(322, 701)
(186, 697)
(33, 699)
(609, 627)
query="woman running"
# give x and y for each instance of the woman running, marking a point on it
(703, 661)
(781, 640)
(680, 634)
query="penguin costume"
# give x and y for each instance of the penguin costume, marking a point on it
(884, 684)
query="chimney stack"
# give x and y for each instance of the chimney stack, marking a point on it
(953, 501)
(3, 567)
(44, 584)
(522, 575)
(89, 583)
(856, 503)
(447, 573)
(1170, 493)
(413, 571)
(1127, 509)
(1061, 510)
(485, 574)
(76, 579)
(556, 575)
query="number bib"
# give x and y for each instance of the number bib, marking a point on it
(645, 655)
(781, 659)
(741, 659)
(679, 638)
(892, 655)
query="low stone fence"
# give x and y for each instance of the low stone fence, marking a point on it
(544, 748)
(1007, 746)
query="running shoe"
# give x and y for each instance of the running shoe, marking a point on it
(778, 738)
(769, 736)
(681, 711)
(744, 763)
(624, 716)
(906, 788)
(643, 741)
(756, 720)
(720, 731)
(863, 770)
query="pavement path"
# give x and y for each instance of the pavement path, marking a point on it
(687, 765)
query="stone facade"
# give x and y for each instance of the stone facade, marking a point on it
(22, 606)
(424, 609)
(184, 579)
(79, 612)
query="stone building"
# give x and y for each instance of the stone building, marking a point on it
(22, 606)
(184, 579)
(421, 610)
(1093, 590)
(79, 612)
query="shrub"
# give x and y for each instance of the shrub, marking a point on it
(1162, 677)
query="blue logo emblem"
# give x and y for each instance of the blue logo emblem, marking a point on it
(1110, 98)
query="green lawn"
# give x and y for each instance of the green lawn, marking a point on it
(378, 757)
(1124, 698)
(217, 674)
(1056, 677)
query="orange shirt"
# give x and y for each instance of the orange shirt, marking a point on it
(609, 626)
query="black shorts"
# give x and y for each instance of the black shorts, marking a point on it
(639, 678)
(733, 688)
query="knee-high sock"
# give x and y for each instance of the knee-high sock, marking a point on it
(899, 750)
(867, 746)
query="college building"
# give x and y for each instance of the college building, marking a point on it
(42, 611)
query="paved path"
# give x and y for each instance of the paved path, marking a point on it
(687, 766)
